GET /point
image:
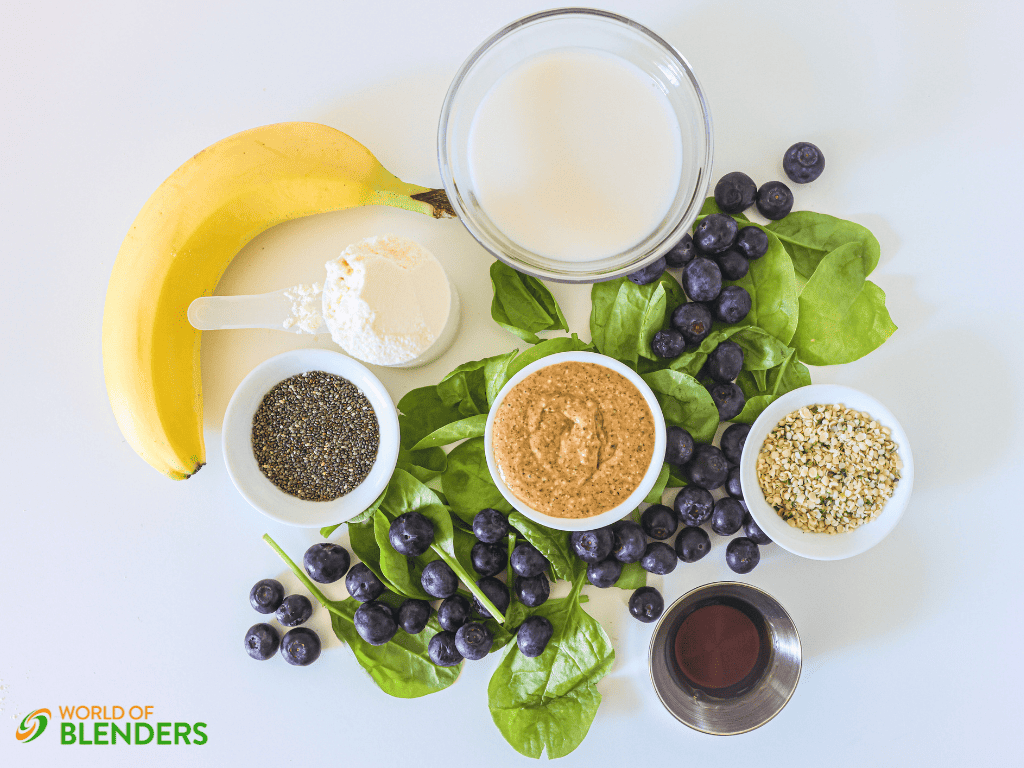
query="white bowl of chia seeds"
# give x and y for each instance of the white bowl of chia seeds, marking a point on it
(826, 471)
(310, 438)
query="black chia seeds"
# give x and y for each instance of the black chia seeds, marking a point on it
(315, 436)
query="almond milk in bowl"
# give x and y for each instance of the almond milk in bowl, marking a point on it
(575, 441)
(575, 145)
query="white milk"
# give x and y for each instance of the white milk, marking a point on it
(575, 154)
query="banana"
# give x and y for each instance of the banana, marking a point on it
(181, 243)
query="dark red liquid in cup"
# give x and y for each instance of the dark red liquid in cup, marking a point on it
(720, 648)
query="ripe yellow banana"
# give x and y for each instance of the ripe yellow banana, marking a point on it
(183, 240)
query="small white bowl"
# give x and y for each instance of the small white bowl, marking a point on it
(823, 546)
(649, 479)
(241, 462)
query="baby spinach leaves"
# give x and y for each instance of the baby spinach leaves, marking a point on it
(554, 545)
(467, 482)
(685, 403)
(625, 316)
(762, 390)
(809, 237)
(654, 497)
(543, 349)
(523, 305)
(548, 703)
(472, 426)
(842, 315)
(772, 285)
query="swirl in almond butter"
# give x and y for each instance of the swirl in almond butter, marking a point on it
(573, 440)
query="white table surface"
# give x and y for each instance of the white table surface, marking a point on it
(121, 587)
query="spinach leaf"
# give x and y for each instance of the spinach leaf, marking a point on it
(785, 377)
(654, 497)
(554, 545)
(400, 667)
(424, 464)
(467, 483)
(625, 316)
(362, 517)
(761, 350)
(809, 237)
(496, 372)
(685, 403)
(842, 315)
(774, 292)
(364, 545)
(472, 426)
(675, 477)
(400, 571)
(421, 412)
(523, 305)
(632, 577)
(549, 702)
(543, 349)
(465, 389)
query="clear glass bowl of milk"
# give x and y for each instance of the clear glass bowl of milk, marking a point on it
(576, 145)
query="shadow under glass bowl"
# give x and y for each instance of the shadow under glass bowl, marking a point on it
(763, 699)
(561, 29)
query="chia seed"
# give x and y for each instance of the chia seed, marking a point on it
(315, 436)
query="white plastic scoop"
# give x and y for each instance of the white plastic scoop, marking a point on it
(272, 310)
(263, 310)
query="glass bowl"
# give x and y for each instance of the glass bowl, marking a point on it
(765, 698)
(576, 28)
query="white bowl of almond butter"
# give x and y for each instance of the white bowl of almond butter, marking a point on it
(575, 441)
(826, 471)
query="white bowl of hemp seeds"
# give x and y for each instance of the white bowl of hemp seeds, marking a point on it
(826, 471)
(310, 438)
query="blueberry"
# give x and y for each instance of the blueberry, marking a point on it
(692, 544)
(629, 541)
(294, 610)
(668, 343)
(735, 192)
(527, 561)
(375, 622)
(496, 592)
(413, 616)
(533, 636)
(646, 604)
(488, 559)
(658, 521)
(732, 484)
(733, 304)
(605, 573)
(473, 640)
(326, 563)
(754, 532)
(681, 254)
(803, 162)
(742, 555)
(752, 242)
(490, 526)
(592, 546)
(659, 558)
(694, 505)
(732, 264)
(453, 612)
(300, 646)
(442, 649)
(438, 579)
(678, 445)
(702, 280)
(363, 584)
(693, 321)
(725, 362)
(729, 399)
(708, 468)
(411, 534)
(733, 439)
(648, 274)
(266, 595)
(532, 591)
(261, 641)
(715, 233)
(727, 517)
(774, 200)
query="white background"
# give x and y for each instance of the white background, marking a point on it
(119, 586)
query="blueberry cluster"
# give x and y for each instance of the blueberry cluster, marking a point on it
(325, 563)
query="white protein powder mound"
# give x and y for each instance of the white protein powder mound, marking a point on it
(305, 312)
(386, 299)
